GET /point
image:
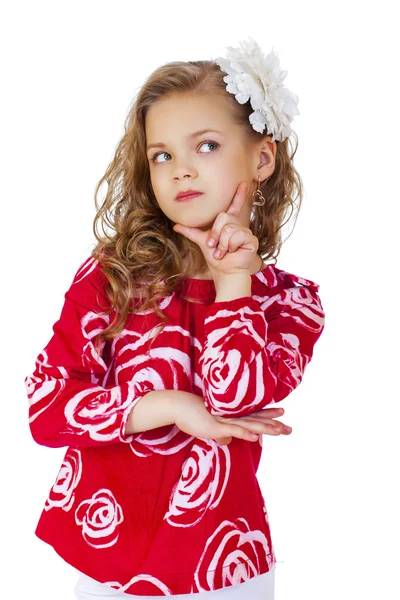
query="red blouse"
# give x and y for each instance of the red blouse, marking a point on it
(161, 512)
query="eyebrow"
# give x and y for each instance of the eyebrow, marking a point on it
(192, 135)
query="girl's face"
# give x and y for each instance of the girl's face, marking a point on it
(212, 163)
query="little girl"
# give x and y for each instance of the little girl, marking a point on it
(167, 355)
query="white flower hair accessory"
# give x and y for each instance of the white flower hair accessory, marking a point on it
(252, 75)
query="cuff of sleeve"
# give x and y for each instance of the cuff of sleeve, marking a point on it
(132, 397)
(233, 305)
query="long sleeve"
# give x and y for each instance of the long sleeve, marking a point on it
(69, 402)
(256, 350)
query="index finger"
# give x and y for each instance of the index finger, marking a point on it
(238, 199)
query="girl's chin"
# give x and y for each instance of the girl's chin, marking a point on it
(202, 224)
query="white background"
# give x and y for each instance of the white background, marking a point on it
(69, 73)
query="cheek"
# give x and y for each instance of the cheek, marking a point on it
(227, 189)
(228, 175)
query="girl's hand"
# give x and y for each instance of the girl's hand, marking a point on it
(237, 244)
(192, 417)
(262, 422)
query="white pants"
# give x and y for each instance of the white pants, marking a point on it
(261, 587)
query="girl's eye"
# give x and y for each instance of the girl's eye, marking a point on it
(153, 158)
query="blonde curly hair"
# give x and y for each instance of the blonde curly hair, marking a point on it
(143, 256)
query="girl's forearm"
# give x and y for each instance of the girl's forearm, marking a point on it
(154, 409)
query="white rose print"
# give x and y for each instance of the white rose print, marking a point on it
(204, 477)
(99, 518)
(62, 494)
(233, 554)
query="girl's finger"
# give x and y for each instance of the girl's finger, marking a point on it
(195, 234)
(221, 221)
(261, 425)
(239, 199)
(274, 411)
(237, 431)
(244, 434)
(266, 414)
(233, 210)
(224, 242)
(224, 441)
(239, 238)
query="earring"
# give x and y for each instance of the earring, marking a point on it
(258, 194)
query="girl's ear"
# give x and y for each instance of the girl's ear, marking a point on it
(266, 158)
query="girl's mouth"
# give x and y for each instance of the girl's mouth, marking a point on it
(188, 197)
